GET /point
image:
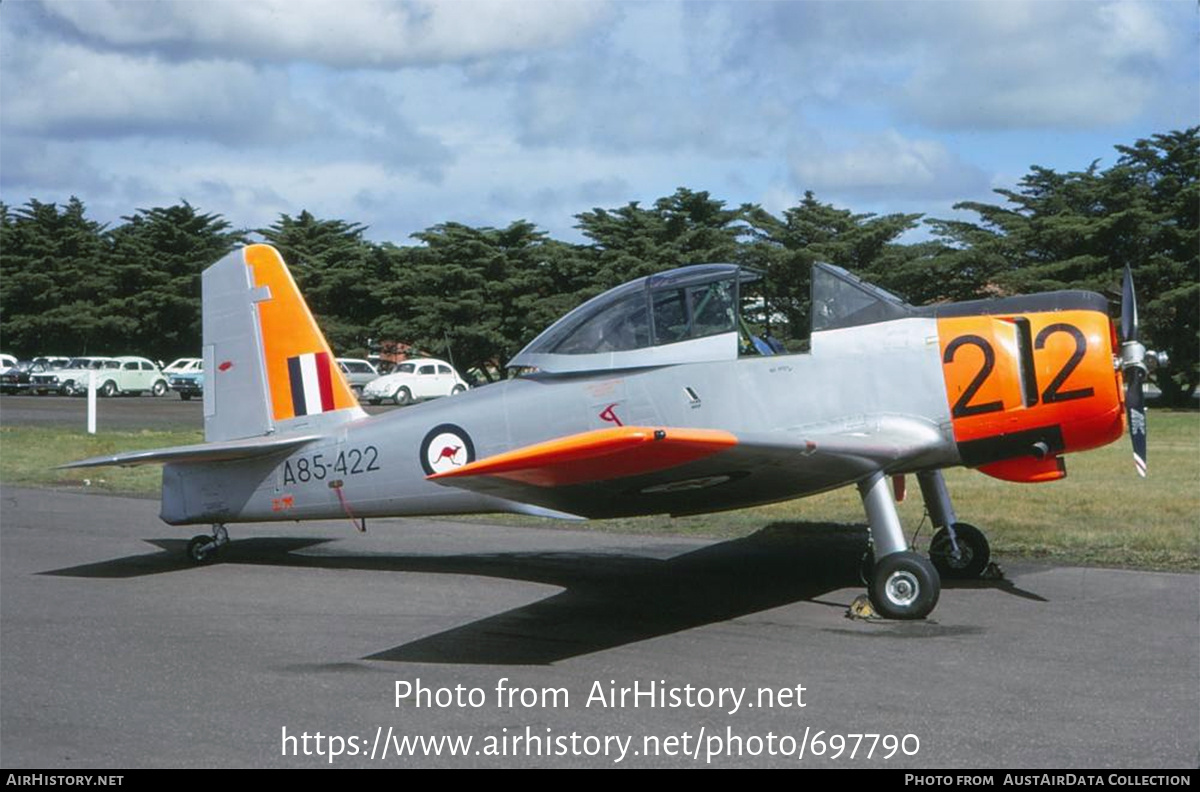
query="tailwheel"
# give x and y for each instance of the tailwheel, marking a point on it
(904, 585)
(965, 557)
(203, 549)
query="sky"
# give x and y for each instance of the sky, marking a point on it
(403, 115)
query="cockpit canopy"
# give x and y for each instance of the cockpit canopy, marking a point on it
(842, 299)
(686, 315)
(692, 315)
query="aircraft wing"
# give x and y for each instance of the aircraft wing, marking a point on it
(201, 452)
(635, 470)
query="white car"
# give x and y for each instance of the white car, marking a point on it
(113, 376)
(183, 366)
(415, 380)
(357, 372)
(71, 378)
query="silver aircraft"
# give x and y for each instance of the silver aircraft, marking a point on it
(655, 398)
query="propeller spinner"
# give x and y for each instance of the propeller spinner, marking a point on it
(1136, 363)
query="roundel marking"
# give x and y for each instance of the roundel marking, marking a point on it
(445, 447)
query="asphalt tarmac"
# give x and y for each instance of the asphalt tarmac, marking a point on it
(116, 653)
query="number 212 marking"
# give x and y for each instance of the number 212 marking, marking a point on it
(1052, 394)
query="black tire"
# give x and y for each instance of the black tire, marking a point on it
(402, 396)
(974, 553)
(159, 389)
(109, 388)
(904, 586)
(866, 567)
(193, 549)
(373, 402)
(185, 397)
(69, 389)
(457, 389)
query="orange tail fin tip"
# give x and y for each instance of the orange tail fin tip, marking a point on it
(300, 366)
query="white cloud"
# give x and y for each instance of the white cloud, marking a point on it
(1027, 64)
(51, 170)
(65, 90)
(403, 115)
(884, 163)
(364, 33)
(658, 80)
(1012, 65)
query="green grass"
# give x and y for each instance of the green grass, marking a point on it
(29, 454)
(1101, 514)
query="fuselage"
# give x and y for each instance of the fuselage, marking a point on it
(1006, 388)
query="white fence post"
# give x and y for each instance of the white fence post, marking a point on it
(92, 402)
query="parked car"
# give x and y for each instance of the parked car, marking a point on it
(48, 362)
(183, 366)
(7, 362)
(15, 379)
(188, 382)
(136, 375)
(358, 373)
(415, 380)
(113, 376)
(71, 377)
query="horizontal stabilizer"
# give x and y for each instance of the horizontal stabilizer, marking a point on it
(202, 452)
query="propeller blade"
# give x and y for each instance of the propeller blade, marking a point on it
(1133, 365)
(1135, 407)
(1129, 317)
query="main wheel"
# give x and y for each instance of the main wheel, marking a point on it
(402, 396)
(973, 552)
(108, 389)
(159, 388)
(185, 396)
(457, 389)
(904, 586)
(195, 552)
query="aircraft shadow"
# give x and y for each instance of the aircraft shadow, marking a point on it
(608, 599)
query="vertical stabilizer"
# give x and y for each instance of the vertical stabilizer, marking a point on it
(267, 366)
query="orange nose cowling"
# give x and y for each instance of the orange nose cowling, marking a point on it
(1025, 389)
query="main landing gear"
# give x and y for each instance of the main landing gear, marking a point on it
(203, 549)
(901, 583)
(958, 550)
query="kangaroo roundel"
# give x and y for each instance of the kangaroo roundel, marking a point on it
(445, 447)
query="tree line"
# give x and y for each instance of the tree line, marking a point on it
(69, 285)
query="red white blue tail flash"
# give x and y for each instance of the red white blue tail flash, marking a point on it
(312, 383)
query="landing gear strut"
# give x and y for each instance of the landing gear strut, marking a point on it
(958, 550)
(902, 584)
(203, 549)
